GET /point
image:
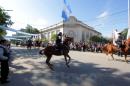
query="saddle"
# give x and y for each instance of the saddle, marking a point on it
(56, 47)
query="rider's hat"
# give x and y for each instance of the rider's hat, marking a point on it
(60, 33)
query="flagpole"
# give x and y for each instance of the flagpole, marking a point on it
(128, 33)
(129, 14)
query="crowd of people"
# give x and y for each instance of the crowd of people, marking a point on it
(82, 46)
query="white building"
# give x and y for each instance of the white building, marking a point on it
(74, 28)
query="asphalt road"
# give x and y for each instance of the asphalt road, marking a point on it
(28, 68)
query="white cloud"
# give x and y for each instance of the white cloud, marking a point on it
(38, 23)
(104, 14)
(102, 18)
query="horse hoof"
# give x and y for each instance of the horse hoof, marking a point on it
(51, 68)
(68, 66)
(51, 65)
(126, 62)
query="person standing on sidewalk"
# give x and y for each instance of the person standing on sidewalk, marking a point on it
(4, 58)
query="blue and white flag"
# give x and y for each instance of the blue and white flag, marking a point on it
(65, 2)
(69, 9)
(64, 15)
(66, 11)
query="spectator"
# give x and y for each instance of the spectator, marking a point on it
(4, 57)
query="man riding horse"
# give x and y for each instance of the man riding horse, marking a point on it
(59, 42)
(119, 43)
(62, 47)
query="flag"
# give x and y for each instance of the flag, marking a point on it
(64, 15)
(66, 11)
(69, 9)
(65, 2)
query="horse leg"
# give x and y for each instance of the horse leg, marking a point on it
(48, 62)
(126, 58)
(112, 56)
(69, 58)
(67, 64)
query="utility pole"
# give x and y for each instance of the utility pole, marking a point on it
(128, 34)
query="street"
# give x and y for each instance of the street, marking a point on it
(28, 68)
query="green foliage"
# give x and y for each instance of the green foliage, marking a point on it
(2, 32)
(44, 40)
(95, 39)
(98, 39)
(4, 20)
(30, 29)
(124, 32)
(53, 37)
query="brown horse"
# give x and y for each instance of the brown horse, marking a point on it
(126, 48)
(51, 50)
(109, 48)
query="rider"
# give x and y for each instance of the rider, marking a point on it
(59, 41)
(119, 40)
(119, 43)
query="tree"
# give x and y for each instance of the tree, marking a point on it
(53, 37)
(98, 39)
(5, 20)
(30, 29)
(2, 32)
(124, 32)
(95, 39)
(44, 40)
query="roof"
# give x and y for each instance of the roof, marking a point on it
(71, 19)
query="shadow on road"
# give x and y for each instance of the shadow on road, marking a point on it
(79, 74)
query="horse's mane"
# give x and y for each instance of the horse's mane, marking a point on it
(66, 40)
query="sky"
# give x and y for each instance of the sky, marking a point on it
(103, 15)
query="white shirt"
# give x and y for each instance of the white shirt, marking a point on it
(116, 34)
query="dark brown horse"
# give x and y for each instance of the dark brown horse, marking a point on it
(51, 50)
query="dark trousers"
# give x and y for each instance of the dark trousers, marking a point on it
(59, 45)
(4, 70)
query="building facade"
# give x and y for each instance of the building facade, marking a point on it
(74, 28)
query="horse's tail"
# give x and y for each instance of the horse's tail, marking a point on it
(41, 52)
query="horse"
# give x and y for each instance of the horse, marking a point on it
(110, 48)
(51, 50)
(29, 44)
(125, 49)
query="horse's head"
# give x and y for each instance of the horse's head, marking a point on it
(126, 42)
(68, 40)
